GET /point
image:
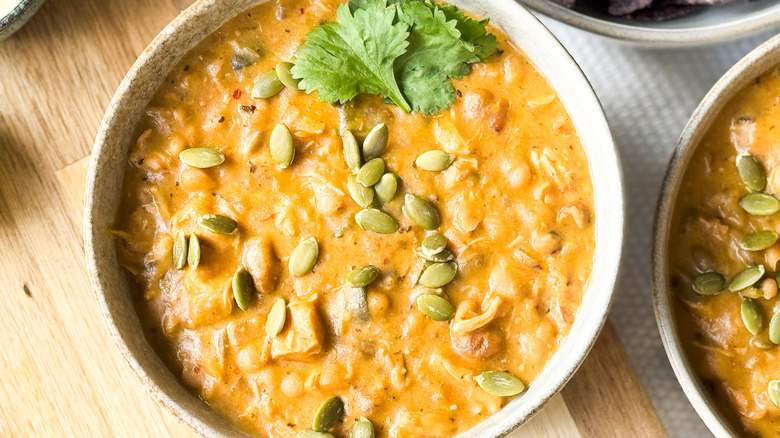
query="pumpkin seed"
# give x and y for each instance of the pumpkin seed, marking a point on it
(435, 307)
(434, 160)
(363, 428)
(441, 257)
(193, 253)
(328, 414)
(219, 224)
(180, 251)
(758, 241)
(303, 257)
(283, 71)
(438, 274)
(421, 211)
(760, 204)
(308, 433)
(386, 187)
(362, 276)
(281, 145)
(709, 283)
(267, 86)
(433, 244)
(774, 392)
(277, 316)
(751, 316)
(362, 195)
(748, 277)
(500, 383)
(376, 221)
(356, 302)
(371, 172)
(202, 158)
(351, 151)
(243, 288)
(375, 142)
(774, 329)
(752, 172)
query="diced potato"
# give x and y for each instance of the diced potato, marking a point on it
(302, 339)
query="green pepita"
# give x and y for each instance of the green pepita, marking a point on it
(435, 307)
(202, 158)
(283, 71)
(433, 244)
(376, 221)
(267, 86)
(351, 151)
(434, 160)
(748, 277)
(760, 204)
(386, 187)
(219, 224)
(758, 241)
(308, 433)
(303, 257)
(375, 142)
(362, 195)
(281, 145)
(774, 392)
(243, 288)
(500, 383)
(774, 329)
(709, 283)
(751, 316)
(438, 274)
(362, 276)
(193, 252)
(363, 428)
(752, 172)
(180, 250)
(443, 256)
(371, 172)
(356, 303)
(421, 211)
(329, 413)
(277, 316)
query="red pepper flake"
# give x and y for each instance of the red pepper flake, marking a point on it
(301, 11)
(196, 369)
(237, 94)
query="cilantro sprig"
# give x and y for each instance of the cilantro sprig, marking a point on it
(405, 50)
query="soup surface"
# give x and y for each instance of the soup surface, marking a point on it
(515, 205)
(718, 231)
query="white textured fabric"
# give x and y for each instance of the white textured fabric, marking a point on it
(648, 95)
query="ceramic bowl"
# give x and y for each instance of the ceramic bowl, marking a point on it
(706, 26)
(757, 62)
(16, 17)
(109, 159)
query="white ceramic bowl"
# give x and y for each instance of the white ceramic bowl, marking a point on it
(757, 62)
(16, 17)
(706, 26)
(116, 134)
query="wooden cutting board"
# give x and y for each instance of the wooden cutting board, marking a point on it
(61, 374)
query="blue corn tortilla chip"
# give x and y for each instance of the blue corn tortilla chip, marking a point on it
(626, 7)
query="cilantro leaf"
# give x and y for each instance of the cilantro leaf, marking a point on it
(354, 56)
(440, 44)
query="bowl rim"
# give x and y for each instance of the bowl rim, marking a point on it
(755, 63)
(660, 38)
(590, 124)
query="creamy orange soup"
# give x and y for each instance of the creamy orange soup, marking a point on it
(726, 324)
(515, 205)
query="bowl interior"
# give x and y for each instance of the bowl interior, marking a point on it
(757, 62)
(135, 91)
(706, 25)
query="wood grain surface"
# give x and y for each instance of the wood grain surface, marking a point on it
(61, 374)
